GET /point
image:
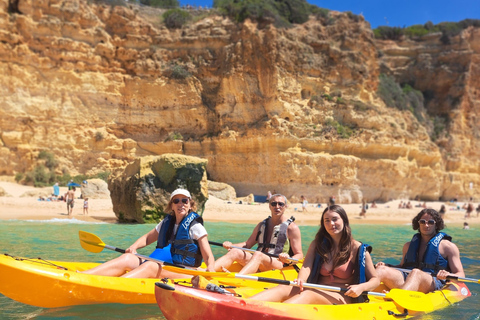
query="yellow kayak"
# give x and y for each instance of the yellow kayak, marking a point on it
(207, 304)
(53, 284)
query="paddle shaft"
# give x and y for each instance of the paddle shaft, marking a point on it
(250, 250)
(448, 277)
(89, 241)
(306, 285)
(147, 257)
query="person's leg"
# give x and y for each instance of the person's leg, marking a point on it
(313, 296)
(260, 261)
(150, 269)
(418, 280)
(390, 277)
(232, 255)
(277, 294)
(116, 267)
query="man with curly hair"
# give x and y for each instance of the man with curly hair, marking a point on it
(430, 255)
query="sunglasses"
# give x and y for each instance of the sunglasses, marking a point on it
(184, 200)
(275, 203)
(429, 222)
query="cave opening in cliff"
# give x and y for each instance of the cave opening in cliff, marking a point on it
(13, 7)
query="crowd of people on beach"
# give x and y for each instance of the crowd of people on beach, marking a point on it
(69, 197)
(333, 258)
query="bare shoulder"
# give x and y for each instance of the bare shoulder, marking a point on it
(293, 229)
(448, 246)
(293, 226)
(356, 244)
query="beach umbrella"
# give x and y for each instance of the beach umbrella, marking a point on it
(73, 184)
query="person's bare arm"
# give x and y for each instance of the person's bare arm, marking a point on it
(207, 254)
(250, 242)
(404, 252)
(450, 251)
(143, 241)
(295, 238)
(304, 272)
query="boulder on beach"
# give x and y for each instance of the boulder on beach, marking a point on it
(141, 192)
(95, 189)
(221, 190)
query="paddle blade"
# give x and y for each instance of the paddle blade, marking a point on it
(90, 242)
(411, 300)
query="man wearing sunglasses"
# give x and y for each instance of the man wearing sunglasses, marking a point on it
(277, 235)
(430, 255)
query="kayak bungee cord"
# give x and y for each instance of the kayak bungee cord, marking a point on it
(38, 260)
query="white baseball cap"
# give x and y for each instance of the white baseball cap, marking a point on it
(180, 191)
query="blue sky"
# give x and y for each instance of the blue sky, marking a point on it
(395, 13)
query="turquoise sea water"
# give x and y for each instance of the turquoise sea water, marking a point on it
(58, 240)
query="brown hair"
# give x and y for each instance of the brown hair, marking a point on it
(439, 225)
(324, 242)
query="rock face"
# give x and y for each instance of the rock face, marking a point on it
(142, 191)
(221, 191)
(95, 189)
(99, 86)
(3, 193)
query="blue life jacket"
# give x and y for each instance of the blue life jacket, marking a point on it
(162, 254)
(361, 277)
(184, 250)
(277, 240)
(432, 261)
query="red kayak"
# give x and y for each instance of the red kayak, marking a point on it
(180, 302)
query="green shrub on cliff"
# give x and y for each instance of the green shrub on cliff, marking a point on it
(178, 72)
(343, 131)
(167, 4)
(448, 30)
(49, 158)
(176, 18)
(280, 12)
(388, 33)
(402, 98)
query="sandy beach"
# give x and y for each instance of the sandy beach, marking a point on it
(21, 204)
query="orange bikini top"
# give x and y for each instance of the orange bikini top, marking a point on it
(344, 271)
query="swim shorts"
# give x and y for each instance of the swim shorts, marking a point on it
(439, 284)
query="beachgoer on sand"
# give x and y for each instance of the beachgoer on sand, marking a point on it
(70, 198)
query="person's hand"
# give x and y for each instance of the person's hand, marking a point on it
(131, 249)
(284, 257)
(442, 275)
(227, 245)
(300, 283)
(380, 264)
(353, 291)
(211, 269)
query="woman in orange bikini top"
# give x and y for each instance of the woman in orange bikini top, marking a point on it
(333, 242)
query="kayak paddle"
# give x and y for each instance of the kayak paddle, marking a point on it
(252, 250)
(448, 277)
(411, 300)
(93, 243)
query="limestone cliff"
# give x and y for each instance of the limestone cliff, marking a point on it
(100, 86)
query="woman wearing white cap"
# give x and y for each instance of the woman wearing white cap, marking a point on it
(182, 229)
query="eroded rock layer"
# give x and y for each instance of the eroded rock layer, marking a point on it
(100, 86)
